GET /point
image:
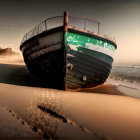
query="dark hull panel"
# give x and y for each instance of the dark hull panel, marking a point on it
(94, 70)
(49, 69)
(45, 59)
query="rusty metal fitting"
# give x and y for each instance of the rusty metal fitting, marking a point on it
(84, 78)
(70, 66)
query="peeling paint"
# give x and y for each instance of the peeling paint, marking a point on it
(76, 41)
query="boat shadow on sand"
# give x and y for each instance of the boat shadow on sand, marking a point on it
(19, 75)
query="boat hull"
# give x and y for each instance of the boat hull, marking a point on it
(68, 60)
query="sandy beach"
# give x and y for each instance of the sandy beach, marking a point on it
(87, 49)
(31, 112)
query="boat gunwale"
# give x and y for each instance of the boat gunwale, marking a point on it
(50, 31)
(73, 29)
(88, 33)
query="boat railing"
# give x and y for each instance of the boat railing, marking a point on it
(83, 23)
(110, 37)
(47, 24)
(88, 24)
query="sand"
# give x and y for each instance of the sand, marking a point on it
(12, 127)
(104, 112)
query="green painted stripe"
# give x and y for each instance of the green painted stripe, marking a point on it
(90, 46)
(82, 40)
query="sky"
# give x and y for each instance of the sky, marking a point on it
(118, 18)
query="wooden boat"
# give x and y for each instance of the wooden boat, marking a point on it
(69, 55)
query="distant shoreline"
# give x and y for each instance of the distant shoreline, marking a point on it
(7, 51)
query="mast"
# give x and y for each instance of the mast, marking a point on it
(66, 21)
